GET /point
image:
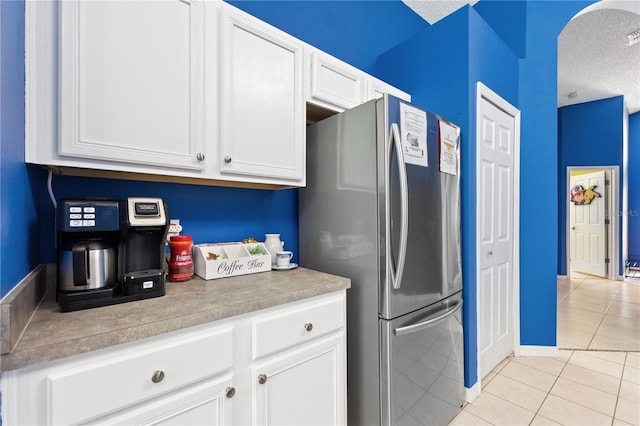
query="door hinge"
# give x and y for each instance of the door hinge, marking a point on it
(607, 182)
(606, 260)
(607, 222)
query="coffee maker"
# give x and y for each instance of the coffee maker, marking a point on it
(110, 251)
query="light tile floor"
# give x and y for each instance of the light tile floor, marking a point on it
(596, 379)
(594, 313)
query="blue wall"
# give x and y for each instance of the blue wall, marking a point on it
(492, 62)
(209, 214)
(589, 134)
(19, 236)
(446, 61)
(433, 67)
(511, 30)
(353, 31)
(633, 189)
(539, 155)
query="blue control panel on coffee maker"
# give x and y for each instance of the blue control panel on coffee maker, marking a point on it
(90, 216)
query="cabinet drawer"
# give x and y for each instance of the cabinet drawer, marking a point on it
(289, 327)
(97, 388)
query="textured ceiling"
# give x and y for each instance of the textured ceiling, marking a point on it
(593, 58)
(434, 10)
(595, 61)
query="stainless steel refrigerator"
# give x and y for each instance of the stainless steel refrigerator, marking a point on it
(381, 207)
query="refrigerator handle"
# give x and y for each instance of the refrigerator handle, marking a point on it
(394, 142)
(428, 323)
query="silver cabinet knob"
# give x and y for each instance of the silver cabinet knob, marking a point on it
(308, 326)
(227, 159)
(490, 252)
(230, 392)
(200, 156)
(158, 376)
(262, 379)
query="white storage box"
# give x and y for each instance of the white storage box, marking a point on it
(222, 260)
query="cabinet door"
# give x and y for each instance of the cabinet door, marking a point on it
(262, 104)
(131, 82)
(334, 84)
(377, 88)
(303, 386)
(208, 403)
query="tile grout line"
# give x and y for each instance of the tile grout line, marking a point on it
(615, 408)
(599, 324)
(617, 396)
(604, 314)
(609, 297)
(537, 413)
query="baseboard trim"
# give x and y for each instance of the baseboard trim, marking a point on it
(542, 351)
(563, 277)
(470, 394)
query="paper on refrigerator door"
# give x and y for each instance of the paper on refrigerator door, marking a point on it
(448, 136)
(413, 133)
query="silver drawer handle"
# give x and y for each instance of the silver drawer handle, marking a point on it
(262, 379)
(158, 376)
(230, 392)
(308, 326)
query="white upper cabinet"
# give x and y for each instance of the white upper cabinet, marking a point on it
(338, 86)
(332, 83)
(376, 88)
(131, 82)
(263, 116)
(176, 88)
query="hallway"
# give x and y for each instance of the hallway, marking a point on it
(598, 314)
(596, 379)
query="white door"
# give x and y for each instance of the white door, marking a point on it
(496, 144)
(587, 234)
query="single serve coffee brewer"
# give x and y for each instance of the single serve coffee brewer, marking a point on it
(110, 251)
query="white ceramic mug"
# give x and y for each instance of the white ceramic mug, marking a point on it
(283, 258)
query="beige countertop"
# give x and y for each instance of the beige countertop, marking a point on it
(51, 335)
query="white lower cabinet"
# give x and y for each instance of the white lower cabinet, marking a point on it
(210, 403)
(304, 386)
(282, 365)
(298, 371)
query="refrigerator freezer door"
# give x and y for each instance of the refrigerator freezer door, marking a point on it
(422, 366)
(427, 214)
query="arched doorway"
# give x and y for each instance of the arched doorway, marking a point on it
(588, 48)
